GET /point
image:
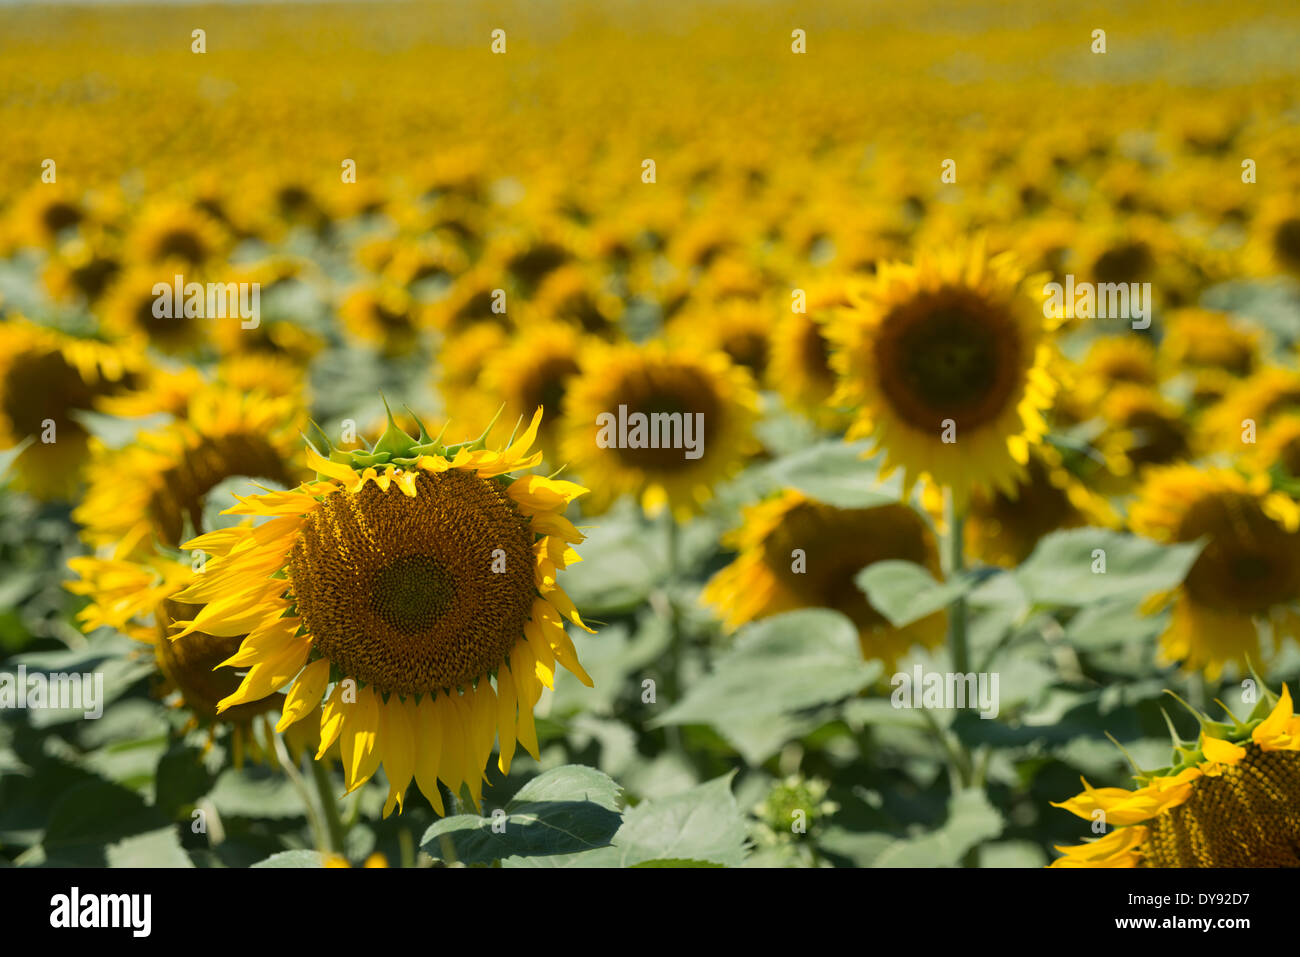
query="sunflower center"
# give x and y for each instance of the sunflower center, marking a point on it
(814, 354)
(949, 355)
(1286, 242)
(40, 386)
(413, 595)
(747, 348)
(1157, 438)
(1248, 816)
(1250, 562)
(1014, 525)
(837, 544)
(181, 244)
(667, 391)
(1127, 262)
(59, 216)
(547, 383)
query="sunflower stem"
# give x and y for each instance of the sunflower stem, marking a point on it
(958, 644)
(959, 649)
(672, 675)
(325, 793)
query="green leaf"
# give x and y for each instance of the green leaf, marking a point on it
(676, 862)
(563, 811)
(703, 824)
(95, 813)
(971, 820)
(1060, 570)
(255, 792)
(622, 562)
(181, 779)
(160, 848)
(776, 668)
(292, 859)
(905, 592)
(836, 473)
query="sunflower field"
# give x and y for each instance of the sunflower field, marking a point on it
(623, 434)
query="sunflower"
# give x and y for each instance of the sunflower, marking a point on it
(475, 299)
(136, 597)
(176, 233)
(1143, 428)
(383, 315)
(573, 295)
(46, 213)
(410, 576)
(740, 329)
(801, 355)
(46, 379)
(1249, 570)
(81, 270)
(1116, 360)
(1278, 447)
(1003, 529)
(159, 390)
(416, 261)
(1274, 245)
(1229, 799)
(767, 577)
(715, 400)
(536, 369)
(1202, 339)
(130, 310)
(1249, 407)
(461, 361)
(955, 347)
(147, 492)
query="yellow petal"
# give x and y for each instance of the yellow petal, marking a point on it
(428, 752)
(305, 693)
(397, 738)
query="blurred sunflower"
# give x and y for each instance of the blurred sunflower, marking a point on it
(1202, 339)
(461, 361)
(739, 329)
(535, 369)
(1274, 244)
(1003, 529)
(1116, 360)
(136, 598)
(175, 233)
(46, 213)
(574, 295)
(383, 315)
(1249, 407)
(147, 492)
(46, 378)
(1249, 570)
(475, 299)
(81, 269)
(767, 576)
(956, 342)
(411, 575)
(1143, 428)
(1228, 800)
(801, 355)
(128, 311)
(653, 380)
